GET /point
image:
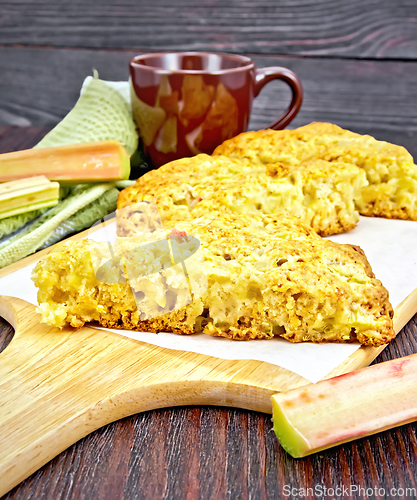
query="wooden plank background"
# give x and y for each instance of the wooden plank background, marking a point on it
(348, 28)
(357, 59)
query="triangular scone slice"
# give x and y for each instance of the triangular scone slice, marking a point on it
(264, 277)
(390, 169)
(319, 193)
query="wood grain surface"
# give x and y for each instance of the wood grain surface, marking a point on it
(207, 452)
(354, 28)
(39, 86)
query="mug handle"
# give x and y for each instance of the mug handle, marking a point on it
(265, 75)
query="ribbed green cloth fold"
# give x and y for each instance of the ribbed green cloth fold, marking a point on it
(100, 114)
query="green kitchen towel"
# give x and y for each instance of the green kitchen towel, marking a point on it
(100, 114)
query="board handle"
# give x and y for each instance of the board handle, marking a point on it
(57, 386)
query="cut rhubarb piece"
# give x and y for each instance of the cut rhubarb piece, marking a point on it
(89, 162)
(25, 195)
(347, 407)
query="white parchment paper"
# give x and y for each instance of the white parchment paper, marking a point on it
(391, 249)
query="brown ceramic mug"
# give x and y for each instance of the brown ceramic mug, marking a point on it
(186, 103)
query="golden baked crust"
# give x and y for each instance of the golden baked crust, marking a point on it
(319, 193)
(390, 169)
(265, 276)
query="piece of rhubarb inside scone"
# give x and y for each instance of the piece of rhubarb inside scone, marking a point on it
(260, 276)
(319, 193)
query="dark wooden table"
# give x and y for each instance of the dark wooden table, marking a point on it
(358, 64)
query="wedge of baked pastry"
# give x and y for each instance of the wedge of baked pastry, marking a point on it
(319, 193)
(390, 169)
(260, 277)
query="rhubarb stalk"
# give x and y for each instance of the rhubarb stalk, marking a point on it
(103, 161)
(357, 404)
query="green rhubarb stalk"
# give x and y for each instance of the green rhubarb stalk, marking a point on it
(124, 183)
(17, 222)
(334, 411)
(13, 186)
(26, 195)
(49, 214)
(33, 236)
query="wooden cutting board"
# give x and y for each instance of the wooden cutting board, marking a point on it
(57, 386)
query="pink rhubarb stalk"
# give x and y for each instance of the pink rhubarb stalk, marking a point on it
(343, 408)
